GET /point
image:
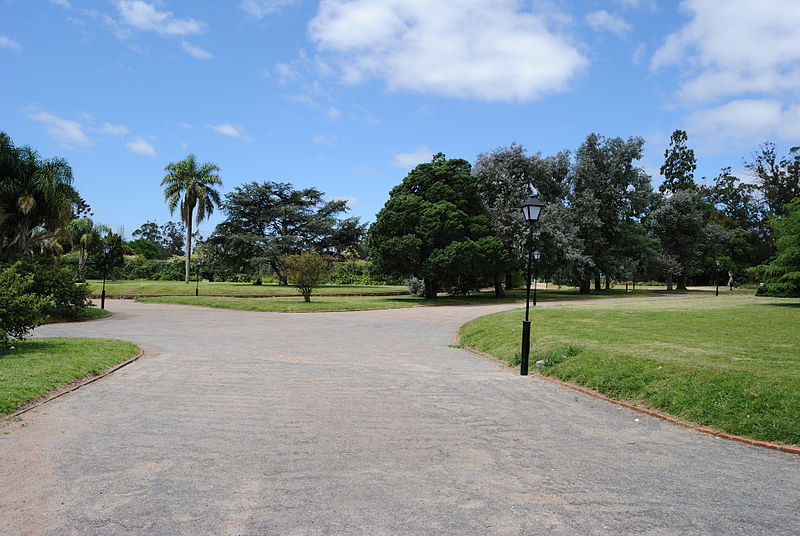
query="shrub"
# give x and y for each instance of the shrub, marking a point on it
(64, 289)
(21, 309)
(416, 287)
(305, 271)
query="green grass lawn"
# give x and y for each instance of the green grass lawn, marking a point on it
(37, 366)
(86, 313)
(145, 287)
(732, 362)
(356, 303)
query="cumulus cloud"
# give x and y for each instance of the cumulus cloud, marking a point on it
(142, 16)
(226, 129)
(603, 20)
(67, 132)
(196, 51)
(7, 42)
(478, 49)
(139, 146)
(739, 67)
(745, 122)
(112, 130)
(62, 3)
(349, 199)
(739, 47)
(259, 9)
(407, 160)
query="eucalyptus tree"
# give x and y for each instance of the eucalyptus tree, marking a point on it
(506, 177)
(777, 179)
(189, 187)
(607, 190)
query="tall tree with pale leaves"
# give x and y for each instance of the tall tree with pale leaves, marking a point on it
(189, 187)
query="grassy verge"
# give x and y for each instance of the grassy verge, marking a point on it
(731, 362)
(37, 366)
(144, 287)
(357, 303)
(87, 313)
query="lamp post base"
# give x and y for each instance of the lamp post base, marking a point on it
(526, 347)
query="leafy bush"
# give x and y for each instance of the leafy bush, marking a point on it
(305, 271)
(21, 309)
(416, 287)
(64, 289)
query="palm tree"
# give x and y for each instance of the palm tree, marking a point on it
(188, 187)
(37, 199)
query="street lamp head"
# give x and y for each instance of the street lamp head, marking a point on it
(106, 249)
(531, 209)
(536, 255)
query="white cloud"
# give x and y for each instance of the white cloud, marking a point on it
(62, 3)
(67, 132)
(407, 160)
(477, 49)
(140, 146)
(333, 112)
(324, 139)
(112, 130)
(603, 20)
(196, 51)
(233, 131)
(745, 122)
(349, 199)
(7, 42)
(735, 48)
(258, 9)
(639, 53)
(142, 16)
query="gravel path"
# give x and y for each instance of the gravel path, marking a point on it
(366, 422)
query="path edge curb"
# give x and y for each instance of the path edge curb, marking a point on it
(73, 387)
(585, 390)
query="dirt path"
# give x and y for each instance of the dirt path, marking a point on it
(360, 423)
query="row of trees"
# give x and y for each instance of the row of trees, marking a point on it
(460, 227)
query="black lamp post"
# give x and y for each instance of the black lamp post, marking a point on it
(106, 249)
(716, 278)
(536, 256)
(530, 210)
(197, 287)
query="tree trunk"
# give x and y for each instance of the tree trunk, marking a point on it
(634, 281)
(597, 283)
(608, 283)
(509, 280)
(669, 281)
(681, 282)
(585, 286)
(430, 289)
(498, 287)
(188, 244)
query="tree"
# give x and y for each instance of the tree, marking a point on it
(685, 236)
(37, 200)
(305, 271)
(267, 221)
(782, 275)
(85, 237)
(679, 165)
(607, 190)
(144, 247)
(506, 177)
(191, 187)
(432, 222)
(778, 180)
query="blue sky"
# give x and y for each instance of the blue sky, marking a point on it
(349, 95)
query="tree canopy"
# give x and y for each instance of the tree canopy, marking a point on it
(782, 275)
(269, 220)
(433, 227)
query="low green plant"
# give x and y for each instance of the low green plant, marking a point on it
(21, 309)
(305, 271)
